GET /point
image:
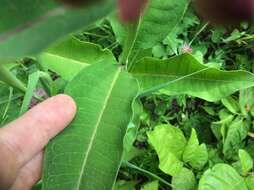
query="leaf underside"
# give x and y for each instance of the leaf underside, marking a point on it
(87, 155)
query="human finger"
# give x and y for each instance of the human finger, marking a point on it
(29, 174)
(28, 135)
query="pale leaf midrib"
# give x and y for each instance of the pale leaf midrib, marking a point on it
(63, 57)
(96, 126)
(189, 76)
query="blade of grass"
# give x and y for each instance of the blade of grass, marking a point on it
(8, 103)
(32, 83)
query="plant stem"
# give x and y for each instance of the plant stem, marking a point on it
(9, 78)
(130, 165)
(251, 134)
(199, 32)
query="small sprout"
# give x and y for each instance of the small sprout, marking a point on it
(186, 49)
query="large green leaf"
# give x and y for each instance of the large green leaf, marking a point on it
(169, 143)
(27, 27)
(68, 57)
(221, 177)
(155, 24)
(185, 75)
(87, 155)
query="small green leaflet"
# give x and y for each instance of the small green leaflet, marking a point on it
(151, 186)
(236, 132)
(169, 143)
(246, 161)
(250, 182)
(194, 154)
(32, 83)
(173, 149)
(184, 180)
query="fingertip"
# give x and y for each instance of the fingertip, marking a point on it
(28, 135)
(68, 102)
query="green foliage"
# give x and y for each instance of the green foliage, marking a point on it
(246, 161)
(151, 186)
(250, 182)
(32, 83)
(68, 57)
(184, 180)
(134, 37)
(169, 143)
(94, 139)
(7, 77)
(185, 75)
(194, 154)
(165, 102)
(173, 149)
(41, 24)
(236, 133)
(221, 177)
(123, 185)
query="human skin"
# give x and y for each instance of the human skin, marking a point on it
(23, 140)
